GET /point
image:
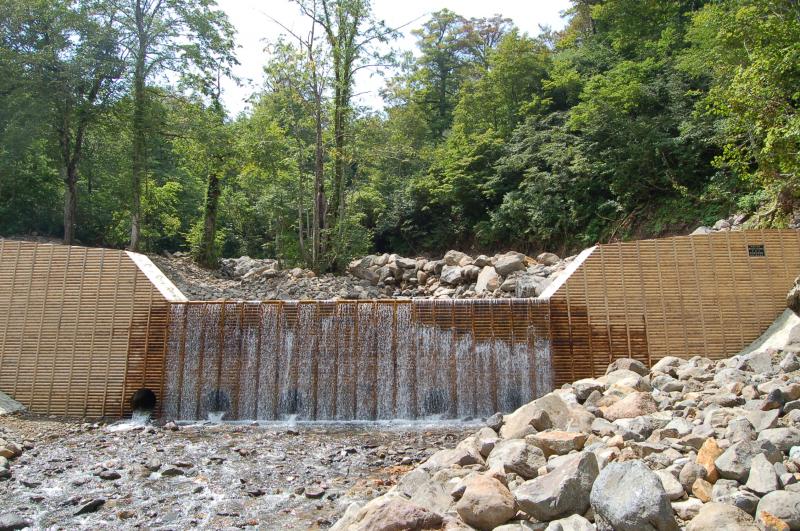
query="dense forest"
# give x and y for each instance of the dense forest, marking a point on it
(639, 118)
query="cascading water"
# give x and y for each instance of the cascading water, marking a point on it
(354, 361)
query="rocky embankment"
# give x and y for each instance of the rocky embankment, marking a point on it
(693, 444)
(456, 275)
(733, 223)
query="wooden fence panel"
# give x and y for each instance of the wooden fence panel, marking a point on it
(708, 295)
(80, 328)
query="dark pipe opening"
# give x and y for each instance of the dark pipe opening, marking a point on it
(143, 400)
(217, 401)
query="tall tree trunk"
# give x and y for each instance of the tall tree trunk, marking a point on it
(319, 189)
(207, 255)
(339, 139)
(300, 195)
(139, 141)
(338, 159)
(70, 176)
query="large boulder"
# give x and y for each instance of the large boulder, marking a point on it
(721, 517)
(624, 378)
(583, 388)
(528, 286)
(782, 438)
(782, 504)
(548, 259)
(462, 456)
(456, 258)
(562, 492)
(518, 456)
(412, 481)
(558, 442)
(406, 263)
(673, 488)
(433, 496)
(544, 413)
(629, 497)
(452, 274)
(571, 523)
(509, 262)
(633, 405)
(762, 478)
(486, 503)
(388, 513)
(734, 463)
(629, 364)
(488, 280)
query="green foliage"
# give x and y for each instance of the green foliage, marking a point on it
(194, 239)
(751, 52)
(639, 118)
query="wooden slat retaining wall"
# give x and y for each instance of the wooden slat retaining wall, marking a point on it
(683, 296)
(80, 328)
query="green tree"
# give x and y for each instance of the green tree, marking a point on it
(67, 58)
(189, 37)
(750, 53)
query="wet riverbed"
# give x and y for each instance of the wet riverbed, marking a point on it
(206, 476)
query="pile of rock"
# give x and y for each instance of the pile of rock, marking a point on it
(246, 278)
(693, 444)
(458, 275)
(735, 222)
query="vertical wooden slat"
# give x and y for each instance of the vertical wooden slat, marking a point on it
(259, 333)
(40, 331)
(739, 324)
(27, 304)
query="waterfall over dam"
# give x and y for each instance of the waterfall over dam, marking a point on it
(348, 360)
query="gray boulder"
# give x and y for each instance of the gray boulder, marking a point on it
(762, 479)
(667, 365)
(509, 262)
(456, 258)
(449, 457)
(734, 463)
(629, 497)
(544, 413)
(562, 492)
(782, 438)
(571, 523)
(548, 259)
(629, 364)
(721, 517)
(488, 280)
(452, 274)
(783, 504)
(583, 388)
(518, 456)
(727, 491)
(671, 485)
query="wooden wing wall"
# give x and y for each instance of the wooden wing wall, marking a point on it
(708, 295)
(80, 329)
